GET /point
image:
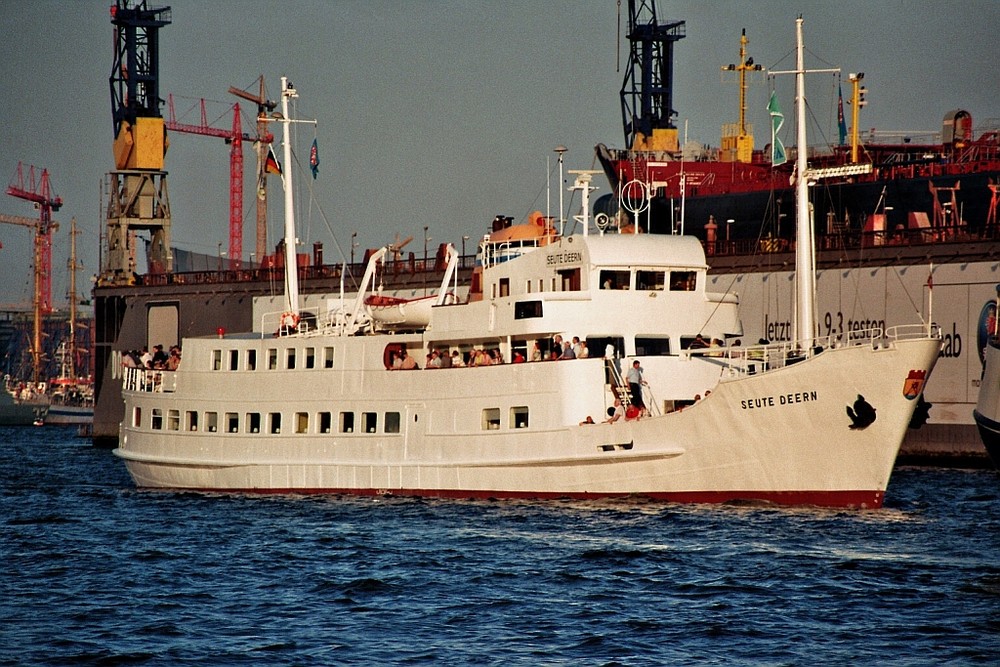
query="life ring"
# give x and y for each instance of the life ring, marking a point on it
(289, 320)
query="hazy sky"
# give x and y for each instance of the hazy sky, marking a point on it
(438, 113)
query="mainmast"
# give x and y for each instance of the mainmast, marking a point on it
(291, 262)
(804, 262)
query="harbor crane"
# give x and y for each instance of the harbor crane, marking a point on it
(40, 194)
(264, 107)
(235, 138)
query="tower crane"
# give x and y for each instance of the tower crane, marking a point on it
(264, 106)
(40, 194)
(235, 138)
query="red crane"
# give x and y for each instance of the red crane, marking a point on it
(40, 194)
(234, 137)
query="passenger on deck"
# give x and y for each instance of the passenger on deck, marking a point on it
(567, 352)
(408, 363)
(635, 382)
(444, 358)
(584, 352)
(615, 413)
(698, 343)
(536, 352)
(577, 347)
(456, 359)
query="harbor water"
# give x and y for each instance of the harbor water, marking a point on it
(97, 572)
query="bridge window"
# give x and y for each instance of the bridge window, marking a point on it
(234, 360)
(327, 357)
(275, 422)
(682, 281)
(137, 417)
(290, 358)
(174, 420)
(157, 419)
(369, 421)
(232, 422)
(251, 360)
(216, 360)
(272, 359)
(253, 422)
(212, 421)
(650, 280)
(191, 419)
(325, 422)
(310, 357)
(615, 279)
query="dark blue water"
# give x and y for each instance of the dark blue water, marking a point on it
(95, 572)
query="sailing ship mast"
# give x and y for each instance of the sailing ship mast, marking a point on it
(805, 283)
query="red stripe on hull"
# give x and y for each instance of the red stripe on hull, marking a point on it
(847, 499)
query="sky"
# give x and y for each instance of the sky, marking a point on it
(438, 114)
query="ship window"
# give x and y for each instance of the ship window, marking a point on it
(251, 360)
(275, 419)
(192, 420)
(650, 280)
(369, 421)
(527, 286)
(597, 346)
(347, 422)
(519, 416)
(253, 422)
(325, 422)
(491, 419)
(212, 421)
(554, 284)
(157, 419)
(327, 357)
(272, 359)
(611, 279)
(216, 360)
(570, 279)
(137, 417)
(290, 358)
(392, 422)
(234, 360)
(682, 281)
(232, 422)
(174, 420)
(505, 287)
(650, 346)
(310, 357)
(524, 310)
(301, 422)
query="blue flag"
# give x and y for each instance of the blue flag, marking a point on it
(777, 120)
(314, 159)
(841, 125)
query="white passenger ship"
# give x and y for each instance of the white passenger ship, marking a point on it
(311, 401)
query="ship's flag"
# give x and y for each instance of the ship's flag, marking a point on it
(271, 165)
(314, 159)
(777, 120)
(841, 125)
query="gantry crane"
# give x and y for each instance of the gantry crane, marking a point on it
(40, 194)
(235, 137)
(264, 106)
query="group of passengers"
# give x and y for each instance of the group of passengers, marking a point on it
(442, 358)
(560, 350)
(158, 359)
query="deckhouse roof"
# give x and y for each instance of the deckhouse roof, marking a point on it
(642, 249)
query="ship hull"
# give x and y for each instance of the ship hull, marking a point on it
(727, 447)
